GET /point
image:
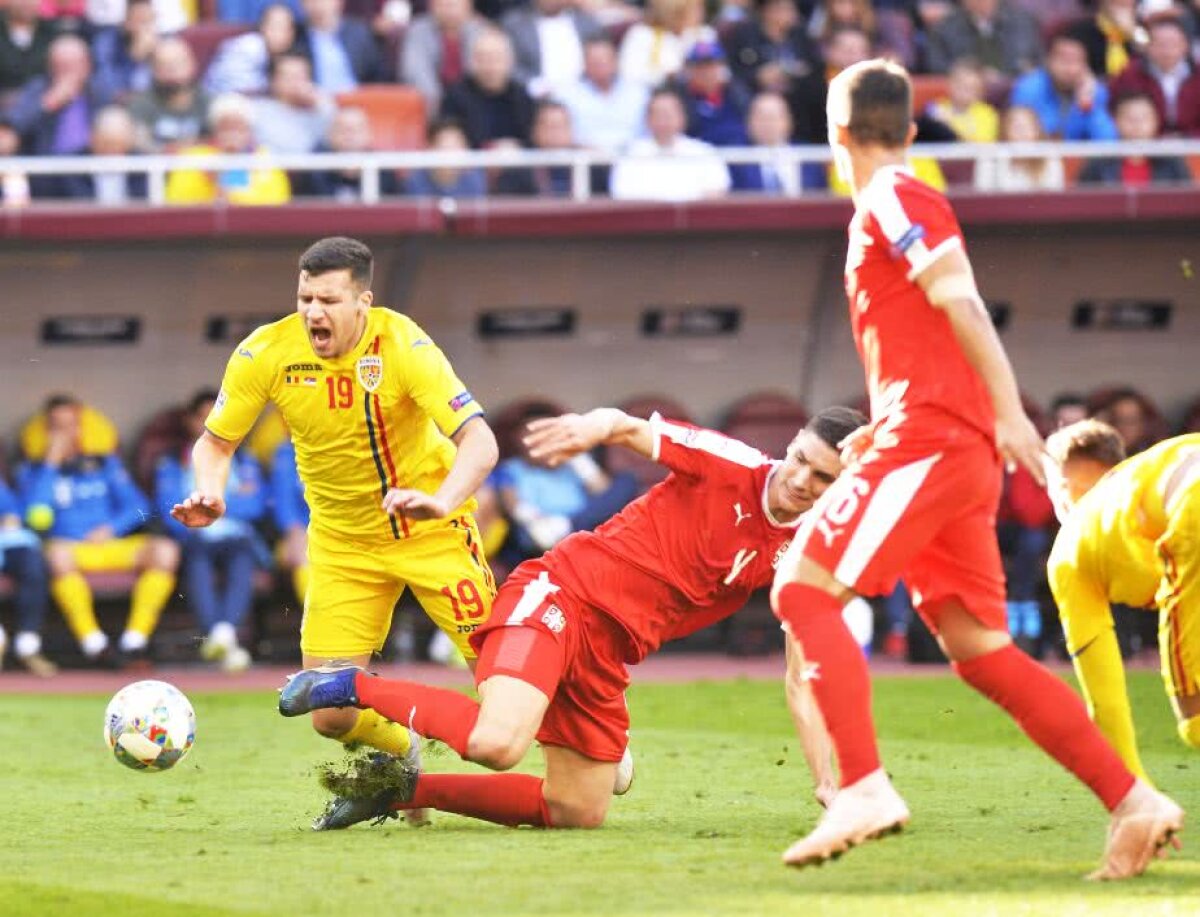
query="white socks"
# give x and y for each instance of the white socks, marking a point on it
(224, 635)
(133, 642)
(95, 643)
(27, 644)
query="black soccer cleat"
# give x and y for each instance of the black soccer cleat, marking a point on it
(349, 808)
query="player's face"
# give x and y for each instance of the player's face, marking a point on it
(810, 467)
(1078, 477)
(334, 311)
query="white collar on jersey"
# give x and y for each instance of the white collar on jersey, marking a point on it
(766, 507)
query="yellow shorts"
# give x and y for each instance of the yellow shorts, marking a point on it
(117, 555)
(1178, 598)
(355, 587)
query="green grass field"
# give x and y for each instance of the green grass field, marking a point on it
(721, 791)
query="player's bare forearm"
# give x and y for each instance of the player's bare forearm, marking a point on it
(981, 345)
(476, 457)
(810, 726)
(211, 459)
(556, 439)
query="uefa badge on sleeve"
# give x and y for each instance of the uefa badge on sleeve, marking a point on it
(370, 371)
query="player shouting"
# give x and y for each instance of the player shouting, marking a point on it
(375, 413)
(553, 657)
(1130, 534)
(921, 499)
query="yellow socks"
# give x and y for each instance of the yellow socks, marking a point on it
(1102, 677)
(151, 593)
(379, 732)
(74, 597)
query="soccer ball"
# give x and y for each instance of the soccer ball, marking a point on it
(149, 725)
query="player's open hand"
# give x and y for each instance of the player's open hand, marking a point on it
(414, 504)
(553, 440)
(1019, 443)
(198, 510)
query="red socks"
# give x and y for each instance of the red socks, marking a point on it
(436, 713)
(842, 684)
(1052, 715)
(506, 799)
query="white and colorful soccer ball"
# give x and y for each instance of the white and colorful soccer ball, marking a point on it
(149, 725)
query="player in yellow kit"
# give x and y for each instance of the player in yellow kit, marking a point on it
(1130, 535)
(390, 445)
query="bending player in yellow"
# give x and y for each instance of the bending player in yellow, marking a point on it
(376, 413)
(1131, 535)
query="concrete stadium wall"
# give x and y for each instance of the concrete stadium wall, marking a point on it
(794, 334)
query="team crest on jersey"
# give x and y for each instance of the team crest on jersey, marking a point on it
(370, 371)
(554, 619)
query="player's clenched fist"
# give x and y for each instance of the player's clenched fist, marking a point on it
(198, 510)
(414, 504)
(553, 440)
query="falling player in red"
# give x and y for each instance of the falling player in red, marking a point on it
(920, 493)
(553, 655)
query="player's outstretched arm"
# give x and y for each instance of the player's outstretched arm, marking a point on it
(476, 457)
(211, 458)
(554, 440)
(810, 725)
(949, 283)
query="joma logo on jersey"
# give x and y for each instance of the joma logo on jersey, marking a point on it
(370, 371)
(303, 368)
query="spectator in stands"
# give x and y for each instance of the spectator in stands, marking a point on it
(290, 512)
(231, 118)
(1167, 76)
(842, 47)
(1137, 120)
(551, 131)
(226, 552)
(251, 11)
(14, 184)
(342, 50)
(547, 504)
(113, 134)
(243, 62)
(668, 165)
(1004, 39)
(1070, 102)
(607, 110)
(437, 47)
(22, 561)
(295, 117)
(122, 53)
(1026, 173)
(771, 49)
(489, 103)
(716, 105)
(91, 512)
(548, 38)
(963, 109)
(53, 113)
(769, 125)
(1051, 13)
(1132, 416)
(447, 135)
(350, 132)
(174, 111)
(24, 43)
(170, 16)
(1109, 36)
(1023, 526)
(830, 15)
(1068, 408)
(653, 51)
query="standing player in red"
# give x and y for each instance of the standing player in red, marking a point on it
(919, 498)
(553, 655)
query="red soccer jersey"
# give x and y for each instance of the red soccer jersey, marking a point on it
(912, 359)
(687, 553)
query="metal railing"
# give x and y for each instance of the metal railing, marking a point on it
(579, 162)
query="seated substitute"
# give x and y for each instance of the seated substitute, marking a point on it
(91, 513)
(21, 559)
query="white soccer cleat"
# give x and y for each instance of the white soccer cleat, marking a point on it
(623, 779)
(1142, 827)
(863, 811)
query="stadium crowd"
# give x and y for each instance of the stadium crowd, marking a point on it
(78, 522)
(660, 86)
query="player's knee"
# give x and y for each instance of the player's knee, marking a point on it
(60, 558)
(498, 748)
(578, 814)
(163, 554)
(335, 722)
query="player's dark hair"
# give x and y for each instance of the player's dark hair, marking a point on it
(1088, 439)
(880, 105)
(834, 424)
(338, 253)
(200, 398)
(60, 400)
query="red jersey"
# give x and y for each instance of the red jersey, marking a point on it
(688, 552)
(912, 359)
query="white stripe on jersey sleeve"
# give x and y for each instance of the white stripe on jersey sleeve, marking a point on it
(708, 441)
(882, 201)
(920, 258)
(656, 432)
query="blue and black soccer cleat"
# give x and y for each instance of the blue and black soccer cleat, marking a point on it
(329, 685)
(367, 791)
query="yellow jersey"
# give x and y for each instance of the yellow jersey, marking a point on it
(379, 417)
(1107, 549)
